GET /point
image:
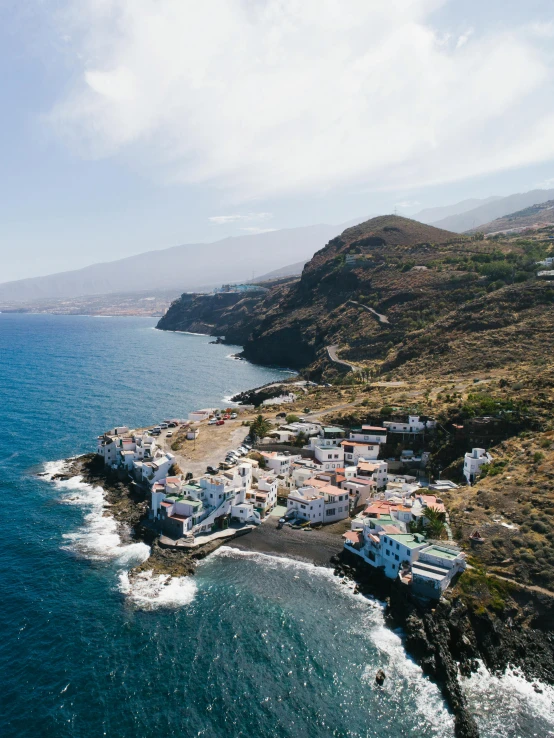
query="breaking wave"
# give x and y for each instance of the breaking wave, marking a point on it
(508, 705)
(99, 537)
(150, 591)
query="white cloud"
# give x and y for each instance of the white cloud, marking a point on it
(254, 229)
(277, 97)
(236, 218)
(407, 204)
(464, 38)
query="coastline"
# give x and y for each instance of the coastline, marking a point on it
(448, 640)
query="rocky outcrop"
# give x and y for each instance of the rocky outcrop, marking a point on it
(450, 637)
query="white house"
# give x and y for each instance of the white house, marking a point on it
(389, 551)
(336, 503)
(279, 463)
(435, 568)
(356, 450)
(473, 462)
(369, 434)
(308, 429)
(307, 503)
(414, 425)
(377, 470)
(329, 457)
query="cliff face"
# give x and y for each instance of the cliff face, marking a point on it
(225, 314)
(390, 291)
(449, 638)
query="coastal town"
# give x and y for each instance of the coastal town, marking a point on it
(299, 474)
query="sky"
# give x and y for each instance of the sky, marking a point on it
(133, 125)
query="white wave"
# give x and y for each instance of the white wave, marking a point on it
(228, 401)
(149, 591)
(402, 671)
(98, 538)
(53, 467)
(272, 561)
(499, 702)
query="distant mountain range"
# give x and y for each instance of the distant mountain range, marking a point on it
(275, 254)
(541, 214)
(432, 215)
(485, 213)
(188, 267)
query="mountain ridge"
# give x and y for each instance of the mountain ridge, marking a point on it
(472, 219)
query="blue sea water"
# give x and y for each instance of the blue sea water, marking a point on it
(252, 645)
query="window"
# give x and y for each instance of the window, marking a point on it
(387, 552)
(396, 557)
(397, 547)
(331, 511)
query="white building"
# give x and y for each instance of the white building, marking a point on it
(473, 462)
(307, 503)
(308, 429)
(435, 568)
(356, 450)
(329, 457)
(377, 470)
(414, 425)
(279, 463)
(369, 434)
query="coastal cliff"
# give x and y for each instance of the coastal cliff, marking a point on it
(390, 292)
(450, 638)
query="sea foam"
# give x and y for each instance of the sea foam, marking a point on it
(499, 702)
(149, 591)
(98, 538)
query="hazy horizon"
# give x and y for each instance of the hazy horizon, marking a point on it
(132, 127)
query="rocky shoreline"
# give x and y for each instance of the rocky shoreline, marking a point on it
(448, 639)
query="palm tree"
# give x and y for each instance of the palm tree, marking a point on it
(260, 427)
(435, 522)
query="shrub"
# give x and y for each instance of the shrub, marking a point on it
(540, 527)
(537, 457)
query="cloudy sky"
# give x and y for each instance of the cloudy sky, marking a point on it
(131, 125)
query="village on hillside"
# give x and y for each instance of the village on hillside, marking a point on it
(302, 474)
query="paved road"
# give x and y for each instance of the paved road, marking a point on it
(332, 354)
(381, 318)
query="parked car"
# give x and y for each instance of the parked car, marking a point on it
(307, 410)
(211, 470)
(281, 415)
(169, 434)
(233, 416)
(220, 422)
(226, 416)
(163, 426)
(212, 421)
(172, 425)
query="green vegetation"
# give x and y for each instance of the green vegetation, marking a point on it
(485, 591)
(260, 427)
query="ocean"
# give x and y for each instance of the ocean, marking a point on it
(253, 645)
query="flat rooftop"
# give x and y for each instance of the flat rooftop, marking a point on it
(441, 553)
(406, 539)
